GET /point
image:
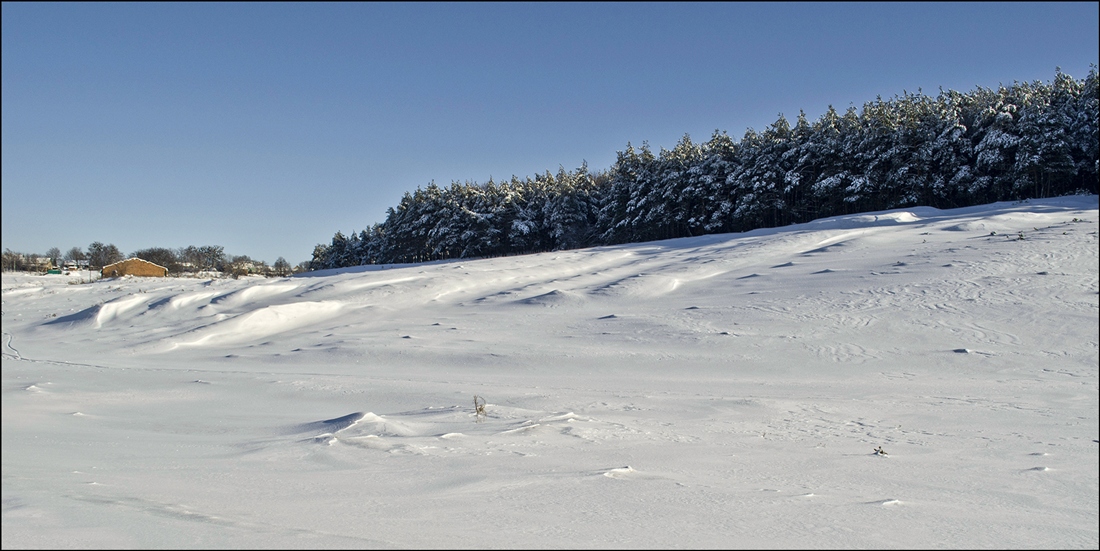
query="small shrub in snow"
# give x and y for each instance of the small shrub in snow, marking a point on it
(479, 407)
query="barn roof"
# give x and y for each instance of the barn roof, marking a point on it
(135, 259)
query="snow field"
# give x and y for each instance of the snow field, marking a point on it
(721, 391)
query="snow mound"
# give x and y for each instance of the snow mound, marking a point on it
(85, 316)
(872, 219)
(620, 472)
(102, 314)
(186, 299)
(553, 298)
(331, 425)
(980, 226)
(253, 293)
(638, 286)
(118, 307)
(264, 322)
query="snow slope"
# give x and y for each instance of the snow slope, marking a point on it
(720, 391)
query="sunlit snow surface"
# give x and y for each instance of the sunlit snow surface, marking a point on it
(719, 391)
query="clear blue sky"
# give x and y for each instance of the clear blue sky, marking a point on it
(265, 128)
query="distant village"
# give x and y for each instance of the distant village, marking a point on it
(105, 261)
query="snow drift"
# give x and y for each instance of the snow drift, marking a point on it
(719, 391)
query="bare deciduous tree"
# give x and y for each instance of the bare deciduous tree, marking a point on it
(100, 255)
(281, 266)
(75, 254)
(54, 254)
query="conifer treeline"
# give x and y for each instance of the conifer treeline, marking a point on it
(1027, 140)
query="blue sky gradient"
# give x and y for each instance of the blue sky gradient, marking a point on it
(265, 128)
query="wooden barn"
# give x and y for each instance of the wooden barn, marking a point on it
(134, 267)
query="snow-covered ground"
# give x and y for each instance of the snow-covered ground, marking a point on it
(719, 391)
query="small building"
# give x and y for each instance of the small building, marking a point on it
(134, 267)
(41, 264)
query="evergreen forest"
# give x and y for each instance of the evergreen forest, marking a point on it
(1027, 140)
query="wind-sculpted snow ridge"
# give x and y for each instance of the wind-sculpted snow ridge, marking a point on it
(849, 382)
(262, 323)
(186, 299)
(253, 293)
(455, 431)
(553, 298)
(871, 220)
(99, 315)
(330, 426)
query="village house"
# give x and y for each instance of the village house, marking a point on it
(134, 267)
